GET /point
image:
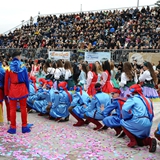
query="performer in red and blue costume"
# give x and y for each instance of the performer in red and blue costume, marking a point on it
(17, 89)
(41, 104)
(137, 118)
(79, 105)
(113, 120)
(35, 95)
(62, 100)
(94, 113)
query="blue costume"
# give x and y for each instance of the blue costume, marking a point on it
(2, 75)
(138, 122)
(38, 96)
(45, 98)
(62, 101)
(94, 108)
(49, 101)
(137, 114)
(79, 100)
(32, 94)
(94, 112)
(113, 120)
(60, 105)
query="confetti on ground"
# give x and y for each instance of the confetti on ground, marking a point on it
(50, 140)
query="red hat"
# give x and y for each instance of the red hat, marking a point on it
(115, 90)
(42, 81)
(49, 84)
(33, 79)
(63, 85)
(135, 89)
(78, 89)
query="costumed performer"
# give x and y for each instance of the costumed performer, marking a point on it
(137, 118)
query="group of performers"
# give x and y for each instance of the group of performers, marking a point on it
(127, 109)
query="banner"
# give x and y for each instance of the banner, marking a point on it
(141, 57)
(55, 55)
(92, 57)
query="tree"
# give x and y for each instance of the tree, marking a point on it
(158, 3)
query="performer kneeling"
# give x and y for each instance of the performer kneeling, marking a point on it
(138, 122)
(79, 106)
(62, 101)
(113, 121)
(94, 113)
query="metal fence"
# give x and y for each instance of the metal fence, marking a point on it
(117, 55)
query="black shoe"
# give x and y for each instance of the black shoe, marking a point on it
(153, 145)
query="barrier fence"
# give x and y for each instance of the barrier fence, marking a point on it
(118, 55)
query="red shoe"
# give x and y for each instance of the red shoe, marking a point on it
(118, 130)
(131, 144)
(99, 127)
(94, 121)
(79, 123)
(40, 114)
(132, 138)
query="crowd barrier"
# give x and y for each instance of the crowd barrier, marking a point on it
(118, 55)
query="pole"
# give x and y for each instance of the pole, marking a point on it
(138, 3)
(81, 8)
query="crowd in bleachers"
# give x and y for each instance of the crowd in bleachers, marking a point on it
(118, 29)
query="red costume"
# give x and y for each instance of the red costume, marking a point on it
(107, 87)
(17, 89)
(91, 90)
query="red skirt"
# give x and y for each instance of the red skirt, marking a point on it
(91, 90)
(107, 87)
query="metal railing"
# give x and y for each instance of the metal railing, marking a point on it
(118, 55)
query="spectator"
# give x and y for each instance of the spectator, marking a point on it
(126, 29)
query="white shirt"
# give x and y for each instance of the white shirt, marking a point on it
(67, 74)
(89, 79)
(104, 78)
(124, 79)
(154, 68)
(50, 70)
(58, 72)
(145, 76)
